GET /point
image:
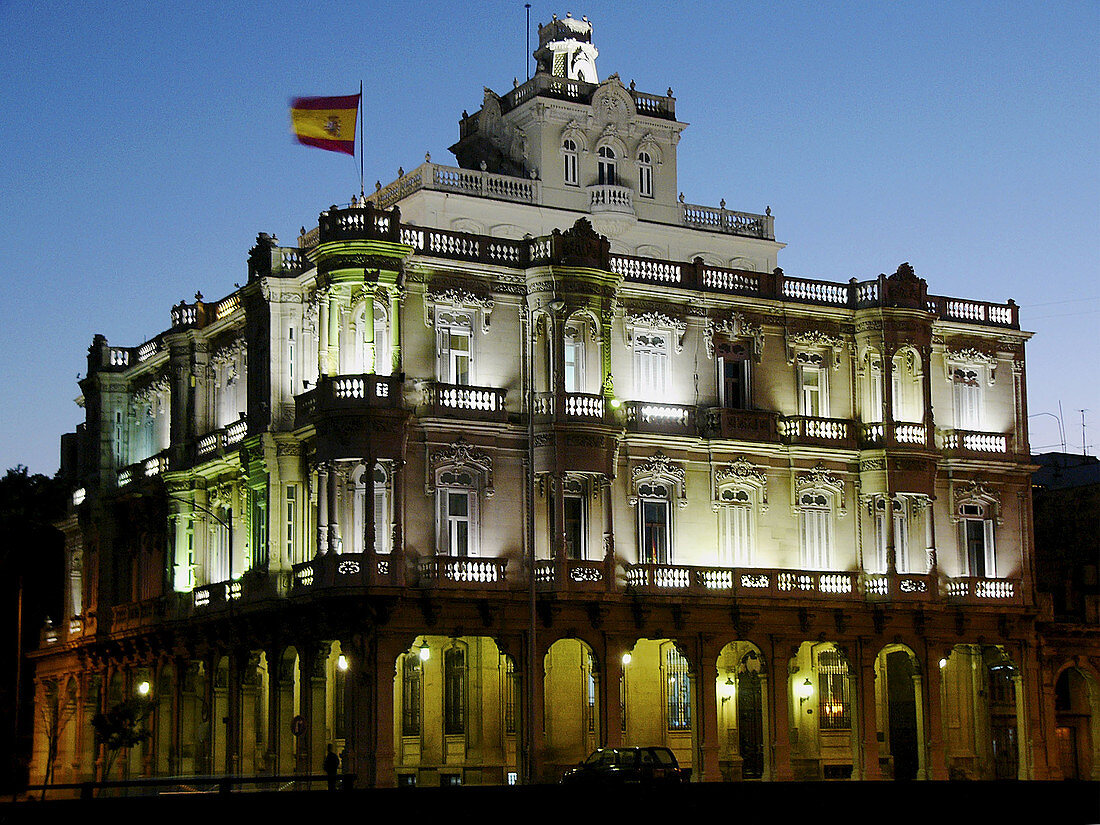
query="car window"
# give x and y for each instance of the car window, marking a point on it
(664, 756)
(607, 758)
(648, 757)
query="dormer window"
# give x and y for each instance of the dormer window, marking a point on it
(569, 157)
(606, 162)
(645, 175)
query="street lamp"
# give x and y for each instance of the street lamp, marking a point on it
(143, 688)
(805, 691)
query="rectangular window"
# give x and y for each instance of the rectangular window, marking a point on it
(651, 365)
(967, 397)
(455, 522)
(575, 527)
(977, 539)
(679, 690)
(733, 382)
(574, 361)
(736, 528)
(571, 168)
(653, 531)
(382, 529)
(509, 695)
(258, 534)
(291, 521)
(454, 691)
(455, 357)
(815, 531)
(874, 394)
(813, 390)
(835, 706)
(645, 181)
(290, 357)
(901, 536)
(410, 694)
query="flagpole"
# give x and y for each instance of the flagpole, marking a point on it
(362, 193)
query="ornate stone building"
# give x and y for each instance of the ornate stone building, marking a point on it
(529, 455)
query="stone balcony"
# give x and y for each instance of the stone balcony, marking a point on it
(464, 401)
(462, 572)
(334, 570)
(818, 432)
(651, 417)
(573, 408)
(895, 434)
(974, 444)
(741, 425)
(574, 575)
(354, 392)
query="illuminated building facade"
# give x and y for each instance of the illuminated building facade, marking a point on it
(778, 524)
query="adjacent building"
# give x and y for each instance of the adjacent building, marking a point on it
(528, 455)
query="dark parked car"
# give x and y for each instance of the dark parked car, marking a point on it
(612, 766)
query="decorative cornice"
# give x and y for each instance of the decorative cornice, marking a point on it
(742, 473)
(658, 467)
(814, 339)
(820, 478)
(735, 325)
(655, 320)
(458, 296)
(974, 492)
(460, 453)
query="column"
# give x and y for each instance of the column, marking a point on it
(332, 356)
(1035, 730)
(358, 684)
(934, 744)
(557, 538)
(610, 695)
(397, 549)
(333, 512)
(705, 668)
(386, 651)
(918, 694)
(537, 745)
(370, 351)
(779, 705)
(322, 332)
(311, 704)
(395, 333)
(233, 713)
(322, 507)
(175, 744)
(867, 711)
(608, 531)
(369, 548)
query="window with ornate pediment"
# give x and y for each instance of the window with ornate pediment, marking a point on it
(656, 483)
(815, 529)
(899, 508)
(454, 348)
(741, 491)
(977, 512)
(458, 476)
(966, 396)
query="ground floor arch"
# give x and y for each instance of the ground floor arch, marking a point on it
(1077, 720)
(743, 713)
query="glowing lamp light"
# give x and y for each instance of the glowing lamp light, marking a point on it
(424, 652)
(627, 658)
(943, 663)
(616, 403)
(143, 688)
(342, 662)
(727, 689)
(805, 690)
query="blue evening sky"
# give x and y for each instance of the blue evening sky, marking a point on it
(143, 145)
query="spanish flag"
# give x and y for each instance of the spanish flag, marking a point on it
(325, 122)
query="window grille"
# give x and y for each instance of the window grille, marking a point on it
(833, 691)
(410, 694)
(454, 691)
(679, 690)
(509, 695)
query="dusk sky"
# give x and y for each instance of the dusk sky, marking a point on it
(145, 144)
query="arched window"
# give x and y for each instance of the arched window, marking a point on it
(967, 397)
(574, 357)
(835, 702)
(735, 526)
(569, 158)
(678, 680)
(606, 164)
(645, 175)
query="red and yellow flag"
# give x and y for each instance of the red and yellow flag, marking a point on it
(325, 122)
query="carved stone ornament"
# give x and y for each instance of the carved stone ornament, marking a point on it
(655, 320)
(460, 454)
(458, 297)
(229, 352)
(974, 492)
(814, 339)
(820, 478)
(969, 357)
(741, 473)
(612, 103)
(659, 468)
(734, 326)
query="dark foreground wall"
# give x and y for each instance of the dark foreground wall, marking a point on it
(935, 803)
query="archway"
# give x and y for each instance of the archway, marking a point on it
(742, 712)
(657, 694)
(900, 712)
(1077, 708)
(824, 730)
(571, 692)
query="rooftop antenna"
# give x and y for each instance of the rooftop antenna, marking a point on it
(1084, 442)
(527, 56)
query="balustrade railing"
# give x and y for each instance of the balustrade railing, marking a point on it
(741, 425)
(646, 270)
(974, 442)
(571, 406)
(571, 574)
(235, 432)
(977, 590)
(727, 220)
(648, 416)
(463, 401)
(609, 198)
(893, 433)
(348, 392)
(461, 571)
(809, 429)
